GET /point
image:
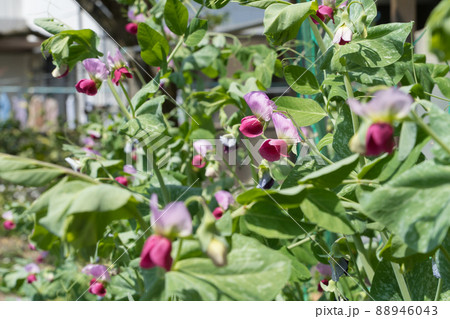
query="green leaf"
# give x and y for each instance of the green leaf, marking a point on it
(176, 16)
(343, 132)
(298, 172)
(267, 219)
(213, 4)
(332, 175)
(301, 80)
(287, 197)
(196, 31)
(370, 9)
(324, 208)
(282, 20)
(414, 205)
(253, 272)
(153, 106)
(50, 25)
(326, 140)
(383, 46)
(304, 111)
(299, 271)
(262, 4)
(154, 46)
(407, 140)
(146, 126)
(201, 58)
(146, 92)
(440, 124)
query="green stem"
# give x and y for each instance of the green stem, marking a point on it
(398, 275)
(301, 242)
(172, 54)
(177, 256)
(199, 10)
(364, 258)
(317, 35)
(430, 132)
(325, 27)
(437, 97)
(349, 90)
(438, 290)
(118, 100)
(165, 192)
(358, 273)
(128, 99)
(360, 181)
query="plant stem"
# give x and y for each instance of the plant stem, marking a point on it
(430, 132)
(128, 98)
(364, 258)
(317, 35)
(349, 90)
(119, 101)
(180, 244)
(199, 10)
(180, 42)
(398, 275)
(300, 242)
(358, 273)
(325, 27)
(437, 97)
(438, 290)
(165, 192)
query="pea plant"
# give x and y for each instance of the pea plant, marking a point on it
(230, 192)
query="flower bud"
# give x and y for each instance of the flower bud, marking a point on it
(251, 126)
(9, 225)
(97, 288)
(31, 278)
(87, 86)
(122, 180)
(156, 252)
(217, 251)
(218, 212)
(379, 139)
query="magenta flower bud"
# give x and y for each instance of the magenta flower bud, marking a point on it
(198, 161)
(97, 288)
(119, 73)
(87, 86)
(132, 28)
(323, 12)
(174, 220)
(343, 35)
(9, 225)
(379, 139)
(31, 246)
(202, 147)
(31, 278)
(156, 252)
(218, 212)
(272, 150)
(122, 180)
(386, 106)
(97, 271)
(285, 129)
(251, 126)
(323, 281)
(224, 199)
(260, 104)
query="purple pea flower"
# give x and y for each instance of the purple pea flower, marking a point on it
(98, 72)
(224, 199)
(202, 147)
(385, 107)
(8, 215)
(174, 220)
(119, 67)
(260, 104)
(32, 268)
(285, 129)
(99, 272)
(129, 169)
(132, 27)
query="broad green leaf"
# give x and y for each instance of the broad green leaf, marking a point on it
(269, 220)
(440, 125)
(153, 106)
(299, 272)
(50, 25)
(213, 4)
(332, 175)
(253, 272)
(262, 4)
(407, 140)
(301, 80)
(343, 132)
(326, 140)
(146, 92)
(196, 31)
(154, 46)
(283, 20)
(324, 208)
(383, 46)
(304, 111)
(298, 172)
(287, 197)
(147, 126)
(176, 16)
(201, 58)
(414, 205)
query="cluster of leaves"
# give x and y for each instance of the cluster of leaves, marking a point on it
(315, 213)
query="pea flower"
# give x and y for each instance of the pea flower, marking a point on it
(324, 282)
(343, 35)
(323, 12)
(119, 67)
(217, 250)
(41, 257)
(175, 220)
(224, 199)
(229, 142)
(32, 269)
(8, 224)
(121, 180)
(379, 139)
(97, 74)
(101, 276)
(266, 181)
(262, 108)
(95, 135)
(74, 163)
(61, 71)
(385, 107)
(202, 147)
(129, 169)
(132, 27)
(273, 149)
